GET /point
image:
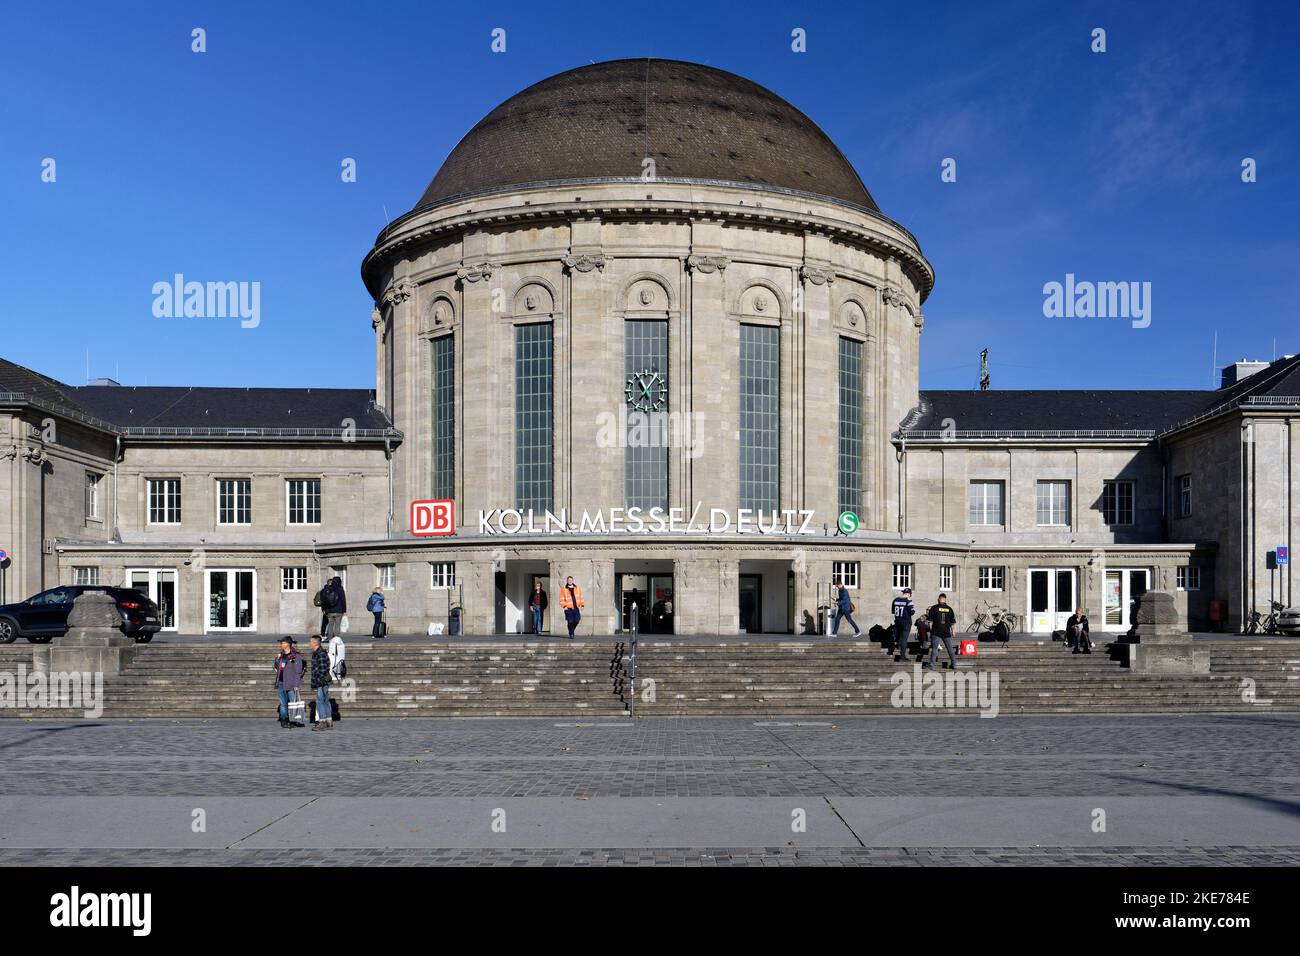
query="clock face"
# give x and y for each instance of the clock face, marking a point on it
(646, 391)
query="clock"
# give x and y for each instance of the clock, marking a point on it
(646, 391)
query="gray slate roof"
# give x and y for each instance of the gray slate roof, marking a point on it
(601, 121)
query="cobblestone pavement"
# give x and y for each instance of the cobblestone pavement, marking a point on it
(1173, 790)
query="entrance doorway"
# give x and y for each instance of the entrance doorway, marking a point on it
(751, 603)
(1053, 595)
(160, 586)
(1123, 587)
(644, 600)
(230, 595)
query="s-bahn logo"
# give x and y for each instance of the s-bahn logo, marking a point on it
(433, 517)
(848, 522)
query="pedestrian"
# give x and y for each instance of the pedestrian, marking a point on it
(571, 601)
(537, 605)
(334, 600)
(320, 682)
(289, 666)
(942, 619)
(1076, 632)
(376, 606)
(844, 608)
(316, 601)
(903, 610)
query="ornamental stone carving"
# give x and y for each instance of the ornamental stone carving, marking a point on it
(918, 320)
(375, 318)
(891, 296)
(707, 264)
(817, 275)
(584, 262)
(480, 270)
(397, 292)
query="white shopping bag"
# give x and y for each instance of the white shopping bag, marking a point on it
(343, 624)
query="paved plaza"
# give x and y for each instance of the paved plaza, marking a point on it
(700, 791)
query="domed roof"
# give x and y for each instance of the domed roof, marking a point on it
(600, 122)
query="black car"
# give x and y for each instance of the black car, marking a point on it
(45, 616)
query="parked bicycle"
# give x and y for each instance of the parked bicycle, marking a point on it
(992, 619)
(1265, 623)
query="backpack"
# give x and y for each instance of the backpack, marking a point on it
(329, 597)
(316, 599)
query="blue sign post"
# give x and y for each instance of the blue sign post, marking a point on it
(1283, 555)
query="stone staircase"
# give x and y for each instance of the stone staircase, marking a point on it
(589, 679)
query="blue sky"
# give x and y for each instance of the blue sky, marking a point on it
(1122, 166)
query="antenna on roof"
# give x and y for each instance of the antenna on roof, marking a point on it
(984, 370)
(1214, 362)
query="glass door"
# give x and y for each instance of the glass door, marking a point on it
(751, 603)
(159, 584)
(661, 603)
(1123, 587)
(1052, 593)
(231, 600)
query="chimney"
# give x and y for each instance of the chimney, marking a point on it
(1240, 370)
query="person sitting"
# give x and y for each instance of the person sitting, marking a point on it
(1076, 632)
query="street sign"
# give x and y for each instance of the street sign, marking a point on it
(4, 555)
(1283, 555)
(848, 522)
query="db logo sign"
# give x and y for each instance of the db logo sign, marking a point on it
(429, 518)
(970, 648)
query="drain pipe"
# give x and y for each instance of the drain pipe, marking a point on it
(900, 455)
(117, 457)
(388, 454)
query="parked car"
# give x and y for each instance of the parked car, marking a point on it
(1288, 622)
(44, 617)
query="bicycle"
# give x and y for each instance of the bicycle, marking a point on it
(1265, 624)
(994, 619)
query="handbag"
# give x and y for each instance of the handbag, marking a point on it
(343, 624)
(297, 709)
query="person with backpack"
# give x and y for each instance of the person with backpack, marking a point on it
(537, 605)
(376, 606)
(903, 610)
(316, 602)
(942, 620)
(334, 601)
(843, 609)
(320, 683)
(571, 601)
(289, 667)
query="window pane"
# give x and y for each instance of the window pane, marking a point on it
(533, 428)
(760, 417)
(850, 426)
(444, 417)
(645, 459)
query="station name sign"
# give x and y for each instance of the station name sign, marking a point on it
(511, 521)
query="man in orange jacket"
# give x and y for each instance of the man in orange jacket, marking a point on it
(571, 601)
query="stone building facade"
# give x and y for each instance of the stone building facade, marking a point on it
(646, 327)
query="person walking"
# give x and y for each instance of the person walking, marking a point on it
(1076, 632)
(320, 683)
(537, 605)
(572, 603)
(334, 601)
(843, 609)
(903, 610)
(316, 600)
(376, 606)
(289, 666)
(942, 620)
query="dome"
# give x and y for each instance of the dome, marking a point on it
(599, 122)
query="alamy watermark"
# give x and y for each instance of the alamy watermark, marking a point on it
(208, 300)
(946, 690)
(53, 690)
(1083, 299)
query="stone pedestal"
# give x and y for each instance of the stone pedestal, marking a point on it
(94, 643)
(1164, 645)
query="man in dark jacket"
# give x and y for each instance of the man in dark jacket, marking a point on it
(320, 683)
(289, 666)
(942, 620)
(903, 609)
(1076, 632)
(537, 605)
(334, 602)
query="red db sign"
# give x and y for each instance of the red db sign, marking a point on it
(429, 518)
(970, 648)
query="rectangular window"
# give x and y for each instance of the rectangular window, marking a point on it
(760, 417)
(645, 459)
(442, 574)
(850, 428)
(846, 573)
(293, 579)
(902, 576)
(234, 501)
(92, 496)
(302, 500)
(1189, 578)
(1053, 505)
(83, 575)
(533, 425)
(1117, 502)
(164, 501)
(444, 417)
(985, 502)
(992, 577)
(947, 574)
(385, 576)
(1184, 496)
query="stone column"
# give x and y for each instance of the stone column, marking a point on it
(821, 393)
(1164, 645)
(94, 642)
